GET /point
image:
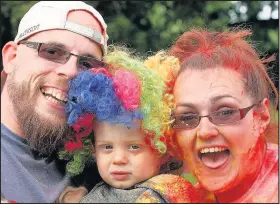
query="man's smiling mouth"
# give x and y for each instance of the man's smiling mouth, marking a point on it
(54, 95)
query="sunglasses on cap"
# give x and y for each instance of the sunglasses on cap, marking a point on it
(56, 54)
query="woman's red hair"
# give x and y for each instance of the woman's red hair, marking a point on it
(202, 49)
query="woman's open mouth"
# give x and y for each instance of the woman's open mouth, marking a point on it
(214, 157)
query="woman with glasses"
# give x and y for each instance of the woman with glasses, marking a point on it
(224, 119)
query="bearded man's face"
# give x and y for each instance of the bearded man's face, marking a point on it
(40, 114)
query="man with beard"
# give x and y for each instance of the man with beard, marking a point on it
(55, 40)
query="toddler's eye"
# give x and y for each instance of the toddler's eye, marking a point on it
(108, 147)
(134, 147)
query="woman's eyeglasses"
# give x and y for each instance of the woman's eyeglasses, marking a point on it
(59, 55)
(222, 117)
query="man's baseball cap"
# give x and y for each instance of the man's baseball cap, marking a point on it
(48, 15)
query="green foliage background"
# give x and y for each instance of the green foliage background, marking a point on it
(148, 26)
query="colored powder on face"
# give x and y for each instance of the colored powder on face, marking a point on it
(255, 114)
(199, 143)
(257, 146)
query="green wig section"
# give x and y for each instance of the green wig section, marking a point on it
(153, 87)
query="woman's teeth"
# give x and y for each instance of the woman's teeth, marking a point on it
(212, 149)
(214, 157)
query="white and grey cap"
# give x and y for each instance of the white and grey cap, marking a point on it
(48, 15)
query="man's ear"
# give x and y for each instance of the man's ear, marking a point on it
(264, 115)
(9, 55)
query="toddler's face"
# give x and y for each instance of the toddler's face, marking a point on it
(123, 158)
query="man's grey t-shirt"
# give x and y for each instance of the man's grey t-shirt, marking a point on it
(25, 179)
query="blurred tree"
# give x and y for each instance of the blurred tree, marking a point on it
(148, 26)
(11, 14)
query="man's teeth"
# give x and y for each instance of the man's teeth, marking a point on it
(52, 93)
(53, 100)
(213, 149)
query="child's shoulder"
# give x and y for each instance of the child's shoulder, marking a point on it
(174, 188)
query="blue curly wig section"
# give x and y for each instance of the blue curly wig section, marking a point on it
(94, 93)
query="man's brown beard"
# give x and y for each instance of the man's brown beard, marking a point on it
(43, 136)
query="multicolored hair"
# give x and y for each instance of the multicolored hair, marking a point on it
(202, 49)
(130, 92)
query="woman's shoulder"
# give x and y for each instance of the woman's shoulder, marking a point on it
(174, 188)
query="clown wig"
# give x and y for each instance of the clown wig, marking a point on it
(128, 91)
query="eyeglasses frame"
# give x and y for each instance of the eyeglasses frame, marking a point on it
(37, 45)
(243, 112)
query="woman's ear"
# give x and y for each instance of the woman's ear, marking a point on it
(9, 55)
(264, 115)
